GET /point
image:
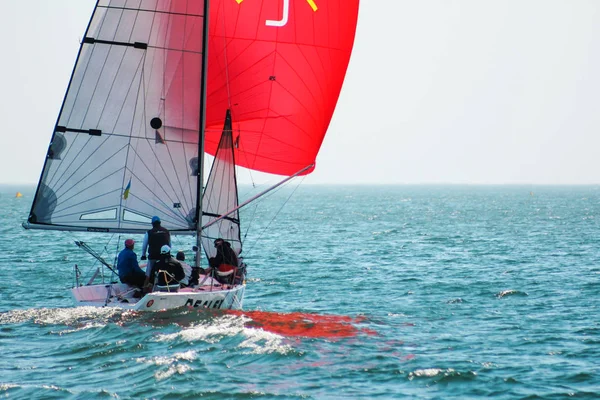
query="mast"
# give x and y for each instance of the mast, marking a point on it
(202, 132)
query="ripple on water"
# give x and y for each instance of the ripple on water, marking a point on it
(256, 341)
(456, 273)
(442, 375)
(510, 292)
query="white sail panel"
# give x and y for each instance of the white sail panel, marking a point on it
(221, 196)
(125, 146)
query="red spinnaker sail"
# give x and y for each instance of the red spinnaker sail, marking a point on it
(279, 66)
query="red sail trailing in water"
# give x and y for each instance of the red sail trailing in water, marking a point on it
(279, 66)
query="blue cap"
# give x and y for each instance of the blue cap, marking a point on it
(155, 219)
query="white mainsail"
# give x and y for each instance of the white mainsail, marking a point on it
(125, 146)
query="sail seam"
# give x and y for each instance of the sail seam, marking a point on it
(167, 207)
(316, 46)
(80, 214)
(61, 196)
(182, 83)
(75, 99)
(140, 71)
(102, 72)
(72, 228)
(67, 169)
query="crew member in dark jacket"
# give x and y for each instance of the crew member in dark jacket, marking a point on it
(224, 264)
(154, 239)
(128, 267)
(174, 271)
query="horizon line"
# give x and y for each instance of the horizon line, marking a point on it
(391, 184)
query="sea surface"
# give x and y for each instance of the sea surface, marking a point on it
(354, 292)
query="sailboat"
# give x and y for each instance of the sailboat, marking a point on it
(155, 86)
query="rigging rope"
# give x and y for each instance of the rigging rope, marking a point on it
(277, 213)
(97, 256)
(168, 282)
(226, 63)
(116, 257)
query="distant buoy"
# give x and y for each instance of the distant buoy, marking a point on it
(19, 194)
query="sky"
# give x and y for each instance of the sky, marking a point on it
(437, 91)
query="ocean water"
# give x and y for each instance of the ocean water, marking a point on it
(370, 292)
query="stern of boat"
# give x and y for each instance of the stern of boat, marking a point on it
(202, 297)
(122, 296)
(105, 295)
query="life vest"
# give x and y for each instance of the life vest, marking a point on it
(157, 238)
(175, 272)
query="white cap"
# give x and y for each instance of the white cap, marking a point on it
(165, 249)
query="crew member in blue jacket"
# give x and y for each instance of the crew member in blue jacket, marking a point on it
(129, 269)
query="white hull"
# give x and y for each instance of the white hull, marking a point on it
(121, 296)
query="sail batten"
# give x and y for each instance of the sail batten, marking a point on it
(156, 11)
(100, 133)
(136, 45)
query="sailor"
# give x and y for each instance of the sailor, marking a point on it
(154, 239)
(224, 264)
(128, 267)
(167, 270)
(187, 269)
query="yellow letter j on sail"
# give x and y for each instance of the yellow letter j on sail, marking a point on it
(126, 192)
(312, 4)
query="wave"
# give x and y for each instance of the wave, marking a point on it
(506, 293)
(31, 391)
(257, 341)
(442, 375)
(74, 316)
(176, 364)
